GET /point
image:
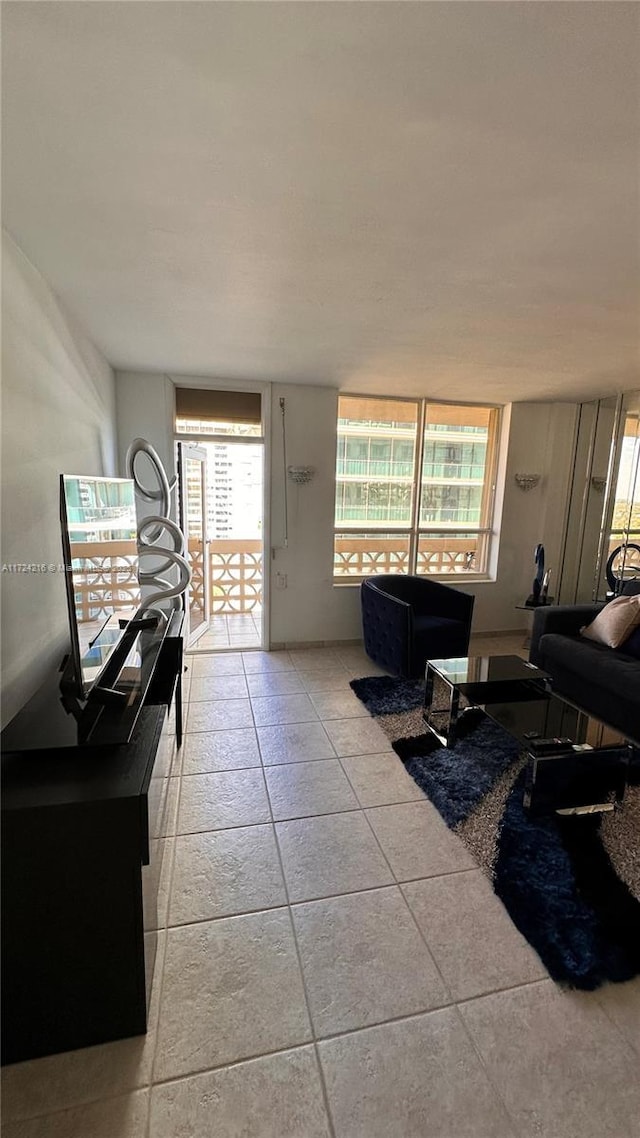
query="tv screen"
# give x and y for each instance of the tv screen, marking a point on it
(100, 550)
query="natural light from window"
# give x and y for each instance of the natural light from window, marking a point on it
(414, 487)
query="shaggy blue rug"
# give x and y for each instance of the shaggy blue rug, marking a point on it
(571, 884)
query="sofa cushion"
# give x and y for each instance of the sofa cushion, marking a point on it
(602, 681)
(614, 624)
(596, 663)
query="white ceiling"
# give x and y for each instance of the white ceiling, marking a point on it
(421, 198)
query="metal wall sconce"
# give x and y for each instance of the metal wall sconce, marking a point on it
(527, 481)
(300, 474)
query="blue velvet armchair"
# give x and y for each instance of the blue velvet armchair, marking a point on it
(409, 620)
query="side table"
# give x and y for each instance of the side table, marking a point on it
(531, 609)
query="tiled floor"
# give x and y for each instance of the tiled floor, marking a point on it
(235, 631)
(333, 966)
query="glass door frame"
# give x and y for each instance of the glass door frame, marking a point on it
(269, 551)
(198, 442)
(187, 449)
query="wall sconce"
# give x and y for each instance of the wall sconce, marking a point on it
(598, 483)
(527, 481)
(300, 474)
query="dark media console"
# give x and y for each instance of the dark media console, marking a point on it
(84, 828)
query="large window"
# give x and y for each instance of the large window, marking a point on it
(414, 487)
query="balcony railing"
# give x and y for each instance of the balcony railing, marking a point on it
(105, 573)
(235, 575)
(236, 571)
(363, 556)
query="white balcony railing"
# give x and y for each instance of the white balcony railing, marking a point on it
(104, 573)
(235, 575)
(362, 556)
(236, 571)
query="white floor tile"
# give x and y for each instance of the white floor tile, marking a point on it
(279, 1096)
(124, 1116)
(300, 789)
(267, 662)
(232, 990)
(215, 664)
(220, 800)
(218, 687)
(329, 854)
(268, 711)
(379, 780)
(364, 961)
(472, 937)
(338, 705)
(294, 743)
(416, 841)
(274, 683)
(416, 1078)
(225, 872)
(219, 715)
(357, 736)
(206, 751)
(560, 1065)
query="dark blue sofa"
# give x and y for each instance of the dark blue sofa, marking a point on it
(604, 681)
(408, 620)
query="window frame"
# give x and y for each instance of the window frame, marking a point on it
(414, 530)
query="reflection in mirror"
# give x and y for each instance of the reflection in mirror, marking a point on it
(597, 478)
(591, 463)
(622, 546)
(589, 535)
(101, 527)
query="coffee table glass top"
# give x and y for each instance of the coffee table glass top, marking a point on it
(583, 764)
(472, 670)
(552, 716)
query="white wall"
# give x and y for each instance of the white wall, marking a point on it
(310, 608)
(58, 416)
(145, 404)
(144, 409)
(540, 437)
(540, 442)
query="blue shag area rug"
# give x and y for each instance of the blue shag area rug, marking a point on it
(571, 884)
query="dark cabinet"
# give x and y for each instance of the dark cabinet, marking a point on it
(83, 841)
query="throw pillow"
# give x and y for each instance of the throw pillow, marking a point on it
(615, 622)
(631, 647)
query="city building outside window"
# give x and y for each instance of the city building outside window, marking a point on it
(414, 487)
(225, 542)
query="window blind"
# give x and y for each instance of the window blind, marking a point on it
(218, 406)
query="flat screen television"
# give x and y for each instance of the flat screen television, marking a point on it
(98, 517)
(113, 646)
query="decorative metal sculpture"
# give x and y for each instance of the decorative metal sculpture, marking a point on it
(623, 564)
(155, 527)
(535, 597)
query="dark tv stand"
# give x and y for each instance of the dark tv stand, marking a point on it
(83, 836)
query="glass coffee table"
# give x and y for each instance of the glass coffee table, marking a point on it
(453, 685)
(575, 763)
